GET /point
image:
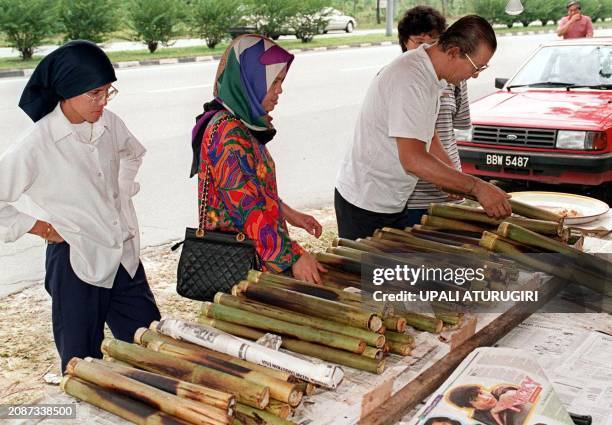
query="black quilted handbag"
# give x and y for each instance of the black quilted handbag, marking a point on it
(212, 261)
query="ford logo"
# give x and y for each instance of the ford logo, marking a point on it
(511, 137)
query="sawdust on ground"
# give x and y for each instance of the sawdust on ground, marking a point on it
(27, 350)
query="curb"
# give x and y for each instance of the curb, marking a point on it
(12, 73)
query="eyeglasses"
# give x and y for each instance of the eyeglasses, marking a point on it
(104, 96)
(477, 69)
(418, 41)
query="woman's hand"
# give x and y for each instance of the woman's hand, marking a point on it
(306, 268)
(303, 221)
(46, 231)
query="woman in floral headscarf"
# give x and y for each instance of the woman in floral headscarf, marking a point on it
(230, 137)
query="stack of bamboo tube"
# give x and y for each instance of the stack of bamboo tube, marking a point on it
(164, 380)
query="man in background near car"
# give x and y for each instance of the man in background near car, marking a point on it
(394, 143)
(575, 24)
(423, 25)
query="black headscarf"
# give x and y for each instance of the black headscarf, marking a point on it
(73, 69)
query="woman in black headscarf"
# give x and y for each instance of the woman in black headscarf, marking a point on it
(77, 165)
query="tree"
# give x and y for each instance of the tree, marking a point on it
(90, 19)
(597, 9)
(311, 19)
(27, 23)
(271, 17)
(211, 19)
(155, 21)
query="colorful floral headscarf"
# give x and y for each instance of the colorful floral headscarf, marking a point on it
(246, 71)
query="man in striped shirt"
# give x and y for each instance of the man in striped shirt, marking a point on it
(419, 25)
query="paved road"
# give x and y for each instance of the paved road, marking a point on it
(314, 119)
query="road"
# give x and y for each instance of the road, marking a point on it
(315, 120)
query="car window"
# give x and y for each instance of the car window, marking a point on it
(580, 65)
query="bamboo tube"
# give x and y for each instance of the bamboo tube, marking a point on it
(534, 212)
(422, 322)
(303, 347)
(382, 330)
(185, 409)
(419, 231)
(446, 223)
(305, 333)
(280, 409)
(254, 395)
(371, 338)
(343, 251)
(450, 318)
(306, 303)
(373, 353)
(395, 323)
(343, 263)
(261, 415)
(399, 348)
(528, 237)
(279, 390)
(359, 245)
(565, 271)
(429, 246)
(307, 388)
(402, 338)
(183, 389)
(122, 406)
(144, 336)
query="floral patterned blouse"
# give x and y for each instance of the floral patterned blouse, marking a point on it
(242, 194)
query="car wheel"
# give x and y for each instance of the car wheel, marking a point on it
(324, 31)
(349, 27)
(275, 36)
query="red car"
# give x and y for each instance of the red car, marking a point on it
(550, 123)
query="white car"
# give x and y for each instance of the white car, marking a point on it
(338, 21)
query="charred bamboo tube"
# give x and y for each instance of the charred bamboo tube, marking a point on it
(404, 339)
(399, 348)
(122, 406)
(279, 390)
(534, 212)
(460, 212)
(422, 322)
(429, 246)
(303, 347)
(280, 409)
(492, 241)
(445, 223)
(187, 390)
(185, 409)
(254, 395)
(343, 263)
(262, 415)
(144, 336)
(305, 333)
(371, 338)
(419, 231)
(395, 323)
(343, 251)
(359, 245)
(373, 353)
(528, 237)
(301, 302)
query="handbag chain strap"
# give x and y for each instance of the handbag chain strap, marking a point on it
(203, 219)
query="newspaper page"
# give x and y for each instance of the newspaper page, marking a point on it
(577, 361)
(495, 386)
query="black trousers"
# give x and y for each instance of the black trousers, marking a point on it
(355, 222)
(79, 310)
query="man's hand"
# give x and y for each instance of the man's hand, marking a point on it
(492, 198)
(575, 17)
(46, 231)
(307, 269)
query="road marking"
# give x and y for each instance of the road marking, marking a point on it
(202, 86)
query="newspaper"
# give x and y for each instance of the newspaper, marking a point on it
(326, 375)
(495, 386)
(578, 362)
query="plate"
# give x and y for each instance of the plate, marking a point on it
(581, 209)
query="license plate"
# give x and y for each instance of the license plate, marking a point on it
(514, 161)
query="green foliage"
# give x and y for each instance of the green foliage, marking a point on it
(89, 19)
(493, 11)
(27, 23)
(211, 19)
(311, 19)
(272, 16)
(155, 21)
(597, 9)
